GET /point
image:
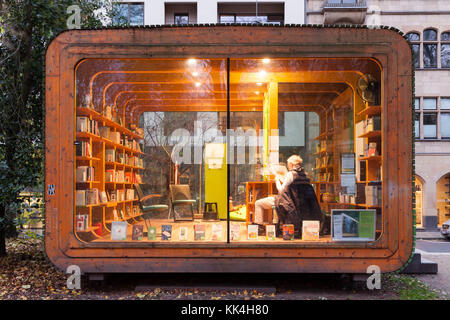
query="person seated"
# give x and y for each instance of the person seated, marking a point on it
(283, 177)
(297, 200)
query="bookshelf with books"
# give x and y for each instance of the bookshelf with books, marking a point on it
(324, 170)
(369, 157)
(108, 163)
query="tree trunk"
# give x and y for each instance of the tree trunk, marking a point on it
(2, 234)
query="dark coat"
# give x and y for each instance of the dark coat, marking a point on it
(298, 202)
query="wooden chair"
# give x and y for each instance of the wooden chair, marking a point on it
(180, 195)
(147, 210)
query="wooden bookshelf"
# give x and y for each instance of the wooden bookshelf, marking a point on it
(103, 212)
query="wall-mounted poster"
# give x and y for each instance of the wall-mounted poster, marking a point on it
(353, 225)
(347, 163)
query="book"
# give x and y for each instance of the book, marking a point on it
(114, 137)
(92, 196)
(252, 232)
(151, 233)
(270, 232)
(98, 229)
(110, 155)
(372, 151)
(216, 232)
(138, 232)
(183, 233)
(103, 197)
(80, 222)
(310, 230)
(199, 232)
(288, 232)
(235, 231)
(80, 198)
(115, 215)
(130, 194)
(118, 230)
(82, 124)
(166, 232)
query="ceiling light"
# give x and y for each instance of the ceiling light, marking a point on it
(192, 62)
(195, 73)
(259, 84)
(262, 73)
(256, 92)
(266, 60)
(197, 84)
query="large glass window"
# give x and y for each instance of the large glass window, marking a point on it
(414, 37)
(129, 13)
(445, 50)
(183, 151)
(430, 48)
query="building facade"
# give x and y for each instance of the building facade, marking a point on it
(426, 24)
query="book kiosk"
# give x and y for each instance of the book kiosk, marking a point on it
(218, 110)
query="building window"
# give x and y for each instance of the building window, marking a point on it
(430, 125)
(432, 118)
(415, 40)
(430, 48)
(131, 14)
(238, 18)
(181, 18)
(445, 50)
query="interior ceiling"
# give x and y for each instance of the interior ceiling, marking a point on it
(134, 85)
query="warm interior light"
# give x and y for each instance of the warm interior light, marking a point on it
(256, 92)
(192, 61)
(259, 84)
(197, 84)
(262, 73)
(195, 73)
(266, 60)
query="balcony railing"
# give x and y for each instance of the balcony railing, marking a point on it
(345, 4)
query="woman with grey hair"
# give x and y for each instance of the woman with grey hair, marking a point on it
(294, 163)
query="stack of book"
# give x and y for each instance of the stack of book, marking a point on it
(87, 197)
(85, 174)
(82, 222)
(84, 124)
(83, 149)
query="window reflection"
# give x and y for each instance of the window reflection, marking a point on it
(429, 125)
(429, 55)
(429, 35)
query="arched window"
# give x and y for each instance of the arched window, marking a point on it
(443, 194)
(430, 48)
(445, 49)
(418, 189)
(414, 37)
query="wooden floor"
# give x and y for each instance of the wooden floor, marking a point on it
(190, 235)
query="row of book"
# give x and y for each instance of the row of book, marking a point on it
(372, 124)
(310, 232)
(323, 161)
(82, 222)
(324, 177)
(112, 156)
(130, 211)
(93, 196)
(118, 138)
(83, 149)
(370, 149)
(84, 124)
(373, 195)
(121, 176)
(85, 174)
(323, 145)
